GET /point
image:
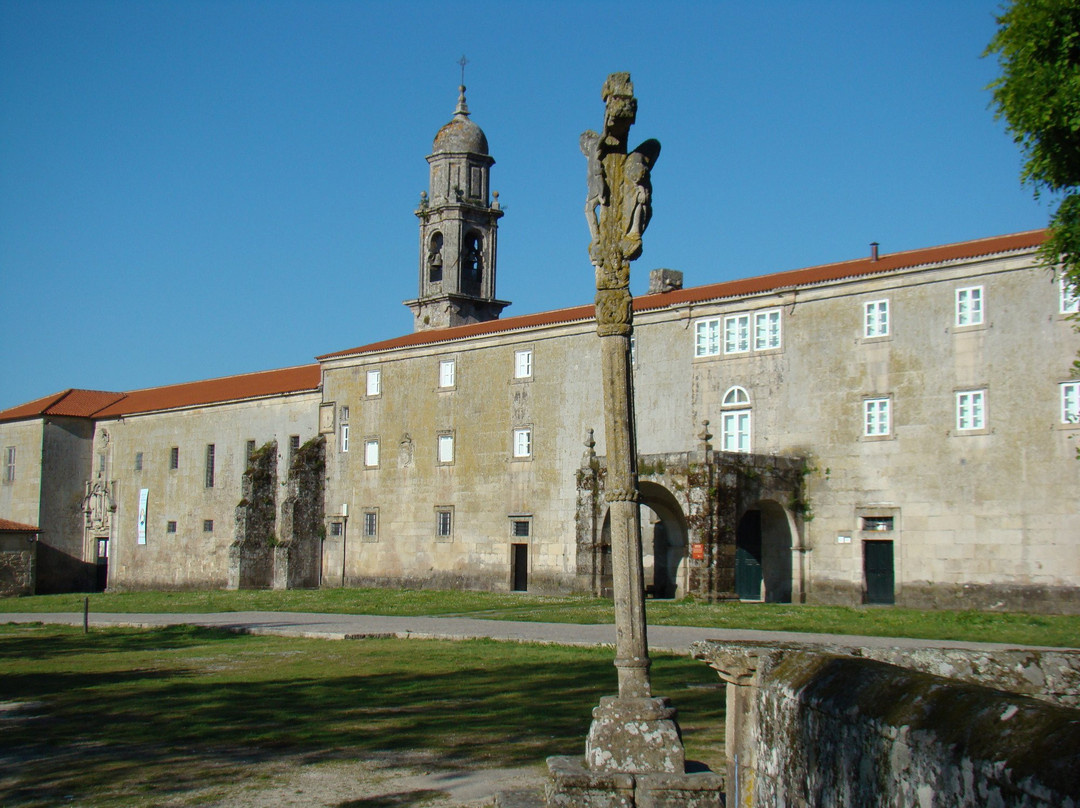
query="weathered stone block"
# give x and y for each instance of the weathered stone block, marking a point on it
(634, 735)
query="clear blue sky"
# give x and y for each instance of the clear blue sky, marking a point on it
(197, 189)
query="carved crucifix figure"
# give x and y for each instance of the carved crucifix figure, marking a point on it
(633, 731)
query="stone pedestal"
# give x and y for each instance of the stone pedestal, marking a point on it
(634, 735)
(573, 785)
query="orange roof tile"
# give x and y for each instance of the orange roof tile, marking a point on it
(74, 403)
(7, 526)
(213, 391)
(886, 262)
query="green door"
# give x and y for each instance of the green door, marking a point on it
(748, 557)
(878, 569)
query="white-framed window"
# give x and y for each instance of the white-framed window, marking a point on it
(523, 364)
(1070, 298)
(969, 305)
(877, 417)
(1070, 403)
(767, 330)
(737, 334)
(371, 452)
(344, 415)
(707, 337)
(374, 383)
(876, 318)
(444, 522)
(970, 410)
(371, 523)
(735, 431)
(446, 447)
(736, 397)
(344, 438)
(9, 464)
(523, 442)
(447, 368)
(521, 527)
(174, 458)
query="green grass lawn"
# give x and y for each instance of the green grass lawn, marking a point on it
(124, 717)
(1011, 627)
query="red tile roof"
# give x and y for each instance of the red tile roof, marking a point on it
(213, 391)
(719, 291)
(7, 526)
(94, 404)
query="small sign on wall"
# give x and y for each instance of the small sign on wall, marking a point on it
(697, 552)
(144, 494)
(843, 538)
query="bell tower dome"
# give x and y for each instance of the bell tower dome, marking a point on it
(459, 223)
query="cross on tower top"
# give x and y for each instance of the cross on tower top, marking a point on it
(463, 61)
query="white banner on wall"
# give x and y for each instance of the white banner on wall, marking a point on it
(144, 494)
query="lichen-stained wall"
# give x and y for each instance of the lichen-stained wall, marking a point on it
(189, 524)
(20, 499)
(485, 488)
(981, 518)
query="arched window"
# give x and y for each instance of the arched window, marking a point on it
(434, 259)
(735, 421)
(472, 262)
(736, 397)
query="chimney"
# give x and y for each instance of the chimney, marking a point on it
(873, 250)
(664, 280)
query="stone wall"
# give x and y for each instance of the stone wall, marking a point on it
(251, 555)
(812, 728)
(298, 555)
(17, 564)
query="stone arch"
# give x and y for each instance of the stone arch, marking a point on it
(664, 535)
(764, 542)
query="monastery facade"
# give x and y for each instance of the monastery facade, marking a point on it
(900, 428)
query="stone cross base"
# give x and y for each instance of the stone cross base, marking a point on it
(572, 785)
(634, 735)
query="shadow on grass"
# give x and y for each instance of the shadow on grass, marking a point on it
(204, 718)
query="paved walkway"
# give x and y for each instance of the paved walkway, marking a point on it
(674, 639)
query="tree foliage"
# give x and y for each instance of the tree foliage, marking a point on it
(1038, 95)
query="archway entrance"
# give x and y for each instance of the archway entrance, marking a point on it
(663, 541)
(763, 554)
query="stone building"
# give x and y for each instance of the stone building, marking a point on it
(896, 428)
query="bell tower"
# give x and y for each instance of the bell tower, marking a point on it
(459, 224)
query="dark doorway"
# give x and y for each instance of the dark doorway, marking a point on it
(102, 571)
(519, 567)
(878, 569)
(748, 557)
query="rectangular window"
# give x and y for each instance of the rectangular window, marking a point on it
(170, 527)
(519, 528)
(446, 373)
(736, 431)
(335, 528)
(523, 364)
(879, 523)
(174, 457)
(707, 337)
(971, 410)
(1070, 403)
(446, 448)
(101, 464)
(767, 330)
(371, 452)
(9, 464)
(876, 318)
(374, 383)
(876, 417)
(249, 450)
(444, 523)
(344, 437)
(209, 465)
(737, 334)
(969, 306)
(1070, 298)
(371, 524)
(294, 447)
(207, 525)
(344, 415)
(522, 443)
(138, 461)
